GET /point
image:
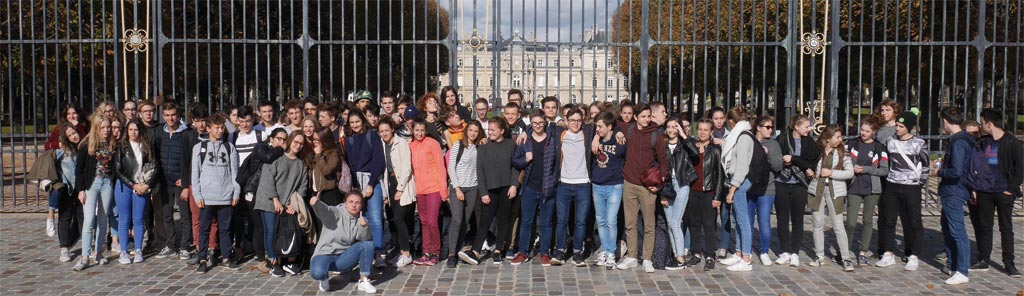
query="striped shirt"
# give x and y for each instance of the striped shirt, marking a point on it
(463, 173)
(245, 144)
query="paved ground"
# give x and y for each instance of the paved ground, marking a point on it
(29, 265)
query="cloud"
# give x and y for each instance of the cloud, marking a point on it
(554, 20)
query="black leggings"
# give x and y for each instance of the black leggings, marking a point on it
(498, 211)
(402, 217)
(69, 218)
(259, 248)
(790, 201)
(702, 217)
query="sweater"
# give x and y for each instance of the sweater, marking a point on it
(875, 162)
(640, 155)
(736, 154)
(1010, 159)
(462, 172)
(323, 171)
(213, 179)
(280, 179)
(497, 171)
(53, 142)
(774, 162)
(172, 152)
(902, 172)
(339, 231)
(428, 167)
(548, 165)
(608, 163)
(366, 154)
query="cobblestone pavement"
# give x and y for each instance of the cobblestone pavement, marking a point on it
(29, 265)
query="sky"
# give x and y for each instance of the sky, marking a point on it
(549, 21)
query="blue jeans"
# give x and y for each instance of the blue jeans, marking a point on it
(53, 199)
(375, 216)
(98, 201)
(674, 215)
(761, 207)
(360, 253)
(531, 200)
(269, 232)
(739, 210)
(131, 210)
(607, 199)
(954, 231)
(578, 194)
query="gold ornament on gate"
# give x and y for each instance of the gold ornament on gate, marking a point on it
(136, 40)
(813, 43)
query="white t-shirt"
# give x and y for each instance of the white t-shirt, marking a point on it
(246, 143)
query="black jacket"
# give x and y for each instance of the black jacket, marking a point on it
(190, 138)
(679, 160)
(714, 173)
(1011, 161)
(249, 173)
(125, 166)
(808, 158)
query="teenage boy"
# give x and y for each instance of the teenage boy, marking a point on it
(538, 158)
(214, 169)
(193, 136)
(247, 136)
(1005, 157)
(573, 187)
(908, 171)
(293, 109)
(170, 142)
(268, 120)
(954, 195)
(387, 104)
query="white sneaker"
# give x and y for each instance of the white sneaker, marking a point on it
(124, 259)
(138, 256)
(366, 286)
(888, 259)
(766, 260)
(740, 266)
(733, 259)
(912, 263)
(325, 285)
(626, 263)
(485, 247)
(686, 253)
(720, 253)
(957, 279)
(783, 259)
(794, 260)
(648, 266)
(403, 261)
(65, 255)
(51, 229)
(600, 258)
(609, 260)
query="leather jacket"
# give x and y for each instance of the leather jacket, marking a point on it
(714, 173)
(680, 164)
(125, 166)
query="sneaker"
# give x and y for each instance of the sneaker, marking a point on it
(626, 263)
(65, 255)
(674, 265)
(184, 255)
(648, 266)
(609, 261)
(138, 256)
(545, 260)
(453, 262)
(1011, 270)
(81, 265)
(766, 260)
(847, 265)
(794, 260)
(509, 255)
(783, 259)
(600, 258)
(982, 265)
(496, 258)
(275, 271)
(124, 259)
(403, 261)
(862, 260)
(709, 264)
(290, 268)
(231, 264)
(202, 268)
(422, 260)
(888, 259)
(694, 260)
(957, 279)
(578, 260)
(432, 260)
(556, 260)
(740, 266)
(366, 286)
(720, 254)
(814, 262)
(469, 257)
(733, 259)
(379, 261)
(51, 229)
(485, 247)
(102, 259)
(946, 271)
(912, 263)
(193, 260)
(519, 259)
(325, 285)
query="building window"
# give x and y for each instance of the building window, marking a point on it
(610, 82)
(460, 62)
(625, 81)
(594, 81)
(491, 81)
(476, 61)
(609, 98)
(572, 99)
(595, 63)
(540, 63)
(610, 63)
(476, 82)
(572, 81)
(572, 62)
(556, 63)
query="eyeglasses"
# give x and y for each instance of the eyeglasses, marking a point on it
(128, 109)
(768, 126)
(281, 138)
(537, 123)
(575, 121)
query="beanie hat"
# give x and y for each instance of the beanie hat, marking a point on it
(908, 120)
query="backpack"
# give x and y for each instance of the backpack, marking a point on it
(652, 176)
(980, 176)
(289, 237)
(203, 154)
(759, 171)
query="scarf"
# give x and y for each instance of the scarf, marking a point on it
(731, 139)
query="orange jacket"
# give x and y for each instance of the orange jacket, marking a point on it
(428, 168)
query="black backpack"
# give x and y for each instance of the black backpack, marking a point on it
(288, 242)
(759, 170)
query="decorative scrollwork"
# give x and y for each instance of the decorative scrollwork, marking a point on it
(136, 40)
(475, 41)
(813, 43)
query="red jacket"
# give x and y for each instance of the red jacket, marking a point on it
(639, 153)
(53, 142)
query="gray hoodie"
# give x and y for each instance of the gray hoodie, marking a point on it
(213, 173)
(340, 229)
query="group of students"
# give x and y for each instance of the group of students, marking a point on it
(333, 186)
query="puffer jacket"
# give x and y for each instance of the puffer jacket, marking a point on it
(838, 181)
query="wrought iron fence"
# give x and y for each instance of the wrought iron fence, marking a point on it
(834, 60)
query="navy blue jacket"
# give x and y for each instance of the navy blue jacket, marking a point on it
(955, 166)
(551, 166)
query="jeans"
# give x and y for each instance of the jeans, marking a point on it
(223, 214)
(360, 253)
(674, 215)
(905, 201)
(461, 212)
(853, 206)
(98, 199)
(53, 200)
(607, 199)
(954, 231)
(269, 220)
(531, 200)
(637, 199)
(790, 201)
(567, 195)
(828, 207)
(760, 207)
(739, 209)
(726, 233)
(702, 222)
(981, 219)
(498, 211)
(375, 217)
(132, 209)
(429, 207)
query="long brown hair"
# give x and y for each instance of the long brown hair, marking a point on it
(65, 143)
(822, 142)
(326, 141)
(143, 143)
(480, 136)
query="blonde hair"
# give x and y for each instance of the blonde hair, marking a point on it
(94, 138)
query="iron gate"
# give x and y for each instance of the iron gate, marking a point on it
(834, 60)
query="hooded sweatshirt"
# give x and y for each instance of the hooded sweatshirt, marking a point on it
(340, 229)
(737, 153)
(213, 173)
(640, 154)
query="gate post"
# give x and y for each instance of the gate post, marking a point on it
(834, 46)
(792, 58)
(645, 37)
